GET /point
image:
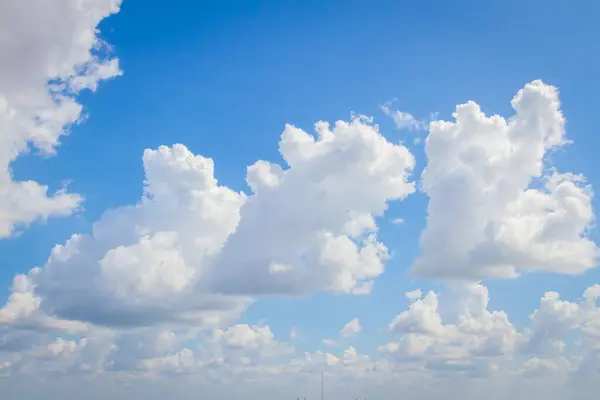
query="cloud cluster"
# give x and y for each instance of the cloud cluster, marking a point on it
(194, 252)
(51, 52)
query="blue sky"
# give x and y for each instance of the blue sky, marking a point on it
(224, 78)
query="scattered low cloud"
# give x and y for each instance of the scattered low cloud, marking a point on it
(467, 343)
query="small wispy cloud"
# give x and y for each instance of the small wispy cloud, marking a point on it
(351, 328)
(414, 295)
(294, 333)
(402, 119)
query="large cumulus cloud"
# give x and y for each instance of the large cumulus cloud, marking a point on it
(50, 52)
(495, 207)
(194, 252)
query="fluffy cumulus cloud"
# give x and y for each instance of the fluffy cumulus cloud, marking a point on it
(472, 333)
(156, 289)
(51, 52)
(312, 226)
(495, 208)
(148, 263)
(194, 252)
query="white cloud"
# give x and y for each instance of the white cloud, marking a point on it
(145, 264)
(183, 361)
(404, 120)
(413, 295)
(240, 349)
(351, 328)
(550, 323)
(22, 310)
(53, 53)
(315, 220)
(421, 317)
(243, 336)
(476, 341)
(194, 252)
(485, 219)
(475, 333)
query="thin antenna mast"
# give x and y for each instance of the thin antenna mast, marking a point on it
(322, 391)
